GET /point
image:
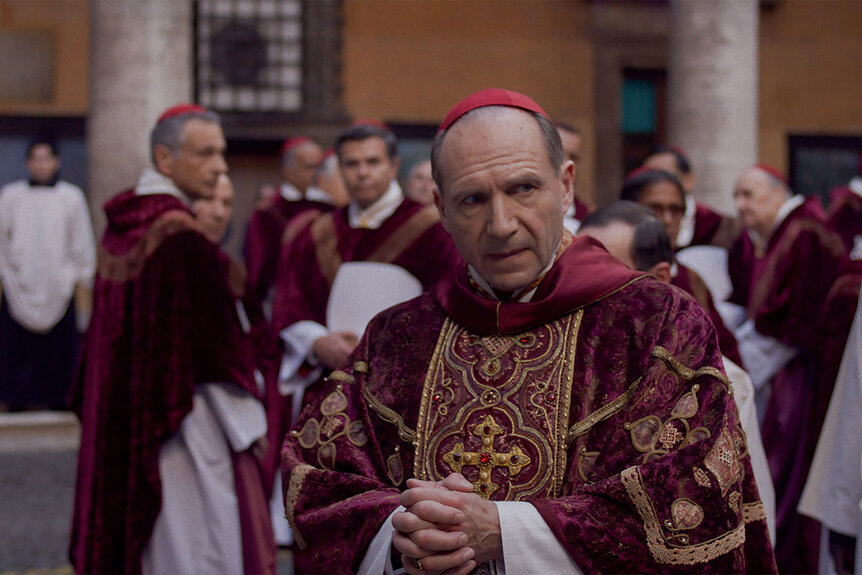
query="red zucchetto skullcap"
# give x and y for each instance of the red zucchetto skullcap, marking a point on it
(291, 143)
(179, 110)
(772, 172)
(490, 97)
(371, 122)
(638, 171)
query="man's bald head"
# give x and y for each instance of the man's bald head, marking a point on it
(759, 195)
(550, 136)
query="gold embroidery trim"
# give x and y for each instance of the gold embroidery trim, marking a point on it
(390, 416)
(326, 246)
(342, 377)
(686, 372)
(297, 478)
(753, 512)
(602, 413)
(659, 549)
(360, 367)
(425, 403)
(406, 235)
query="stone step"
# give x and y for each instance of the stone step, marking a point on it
(39, 431)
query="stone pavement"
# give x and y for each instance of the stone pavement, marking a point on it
(38, 458)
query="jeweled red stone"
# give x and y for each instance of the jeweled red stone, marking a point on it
(436, 398)
(484, 457)
(483, 487)
(552, 396)
(525, 339)
(513, 459)
(486, 430)
(456, 456)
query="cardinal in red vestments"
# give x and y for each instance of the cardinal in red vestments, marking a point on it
(169, 408)
(300, 158)
(378, 225)
(545, 409)
(845, 212)
(782, 269)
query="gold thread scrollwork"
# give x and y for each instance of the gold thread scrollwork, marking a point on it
(390, 416)
(360, 367)
(341, 377)
(723, 461)
(686, 372)
(335, 423)
(602, 413)
(654, 437)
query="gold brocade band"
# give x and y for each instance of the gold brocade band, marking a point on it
(753, 512)
(297, 478)
(659, 549)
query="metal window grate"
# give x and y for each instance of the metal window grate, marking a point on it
(249, 55)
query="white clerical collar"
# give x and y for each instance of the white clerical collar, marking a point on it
(855, 185)
(791, 204)
(686, 225)
(291, 194)
(372, 217)
(786, 208)
(152, 182)
(519, 296)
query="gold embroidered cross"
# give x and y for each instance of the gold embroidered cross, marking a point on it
(486, 458)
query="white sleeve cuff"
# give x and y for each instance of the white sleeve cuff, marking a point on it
(378, 557)
(529, 546)
(240, 414)
(298, 340)
(764, 356)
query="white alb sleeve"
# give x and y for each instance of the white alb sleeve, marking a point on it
(529, 546)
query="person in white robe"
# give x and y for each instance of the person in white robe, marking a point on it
(833, 493)
(47, 257)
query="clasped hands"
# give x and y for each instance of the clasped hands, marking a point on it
(445, 526)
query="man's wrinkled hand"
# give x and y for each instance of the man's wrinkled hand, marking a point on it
(333, 348)
(441, 519)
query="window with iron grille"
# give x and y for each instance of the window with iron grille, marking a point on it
(268, 57)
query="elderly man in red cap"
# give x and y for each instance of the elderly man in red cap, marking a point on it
(169, 407)
(300, 158)
(543, 410)
(782, 269)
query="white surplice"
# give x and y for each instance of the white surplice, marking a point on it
(46, 248)
(198, 528)
(833, 493)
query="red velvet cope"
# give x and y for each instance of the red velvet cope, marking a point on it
(164, 320)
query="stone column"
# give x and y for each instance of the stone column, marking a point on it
(141, 63)
(713, 91)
